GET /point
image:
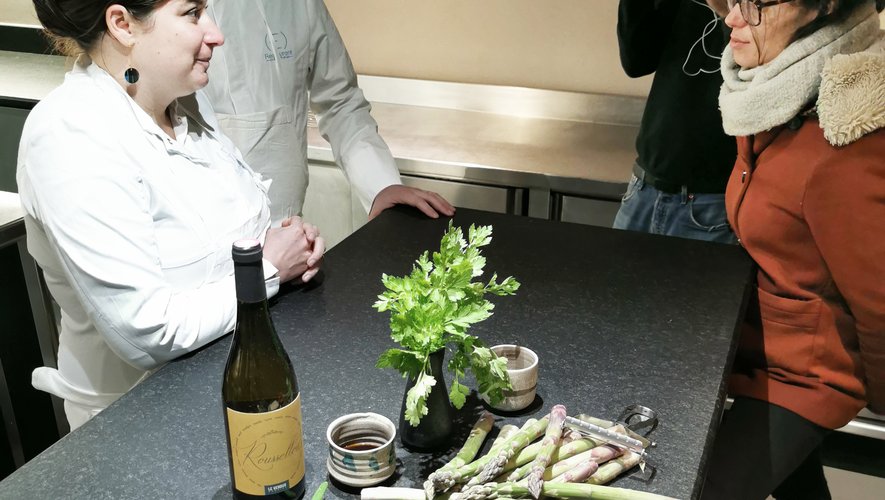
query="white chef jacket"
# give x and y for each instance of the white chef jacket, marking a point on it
(133, 231)
(279, 57)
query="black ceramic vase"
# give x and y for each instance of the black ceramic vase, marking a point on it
(435, 429)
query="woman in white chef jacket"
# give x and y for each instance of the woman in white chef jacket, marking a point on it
(281, 58)
(133, 198)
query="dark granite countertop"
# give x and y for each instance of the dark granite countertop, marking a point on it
(616, 318)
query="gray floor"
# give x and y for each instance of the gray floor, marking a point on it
(854, 466)
(847, 485)
(851, 485)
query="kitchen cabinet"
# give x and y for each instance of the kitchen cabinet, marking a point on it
(592, 211)
(12, 120)
(498, 199)
(31, 419)
(330, 203)
(334, 208)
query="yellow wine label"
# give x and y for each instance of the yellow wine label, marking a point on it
(267, 448)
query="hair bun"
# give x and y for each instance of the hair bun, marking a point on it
(52, 15)
(82, 22)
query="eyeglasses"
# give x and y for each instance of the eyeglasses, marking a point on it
(752, 9)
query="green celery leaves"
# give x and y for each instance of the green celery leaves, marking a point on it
(433, 307)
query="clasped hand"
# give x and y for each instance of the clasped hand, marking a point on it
(295, 249)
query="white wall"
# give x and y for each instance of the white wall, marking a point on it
(552, 44)
(18, 12)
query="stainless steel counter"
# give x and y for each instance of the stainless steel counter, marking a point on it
(538, 139)
(30, 76)
(500, 149)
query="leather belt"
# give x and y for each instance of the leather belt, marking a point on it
(659, 184)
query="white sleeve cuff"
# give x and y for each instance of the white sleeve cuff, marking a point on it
(271, 278)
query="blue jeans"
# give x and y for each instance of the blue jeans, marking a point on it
(699, 216)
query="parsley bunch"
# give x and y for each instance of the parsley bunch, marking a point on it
(433, 307)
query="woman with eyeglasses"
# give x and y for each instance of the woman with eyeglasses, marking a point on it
(133, 198)
(804, 93)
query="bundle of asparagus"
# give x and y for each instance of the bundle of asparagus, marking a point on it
(563, 464)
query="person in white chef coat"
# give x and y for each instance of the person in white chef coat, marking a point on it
(133, 198)
(281, 58)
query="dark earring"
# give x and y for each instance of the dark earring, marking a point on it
(131, 75)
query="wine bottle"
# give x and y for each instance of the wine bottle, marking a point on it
(262, 404)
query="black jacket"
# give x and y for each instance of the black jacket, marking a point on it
(680, 139)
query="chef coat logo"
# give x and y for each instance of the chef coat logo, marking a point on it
(278, 45)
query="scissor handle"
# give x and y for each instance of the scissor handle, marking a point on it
(638, 417)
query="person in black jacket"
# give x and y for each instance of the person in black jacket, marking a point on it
(684, 157)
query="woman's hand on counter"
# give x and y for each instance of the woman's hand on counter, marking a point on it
(295, 249)
(432, 204)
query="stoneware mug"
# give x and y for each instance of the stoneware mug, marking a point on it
(361, 450)
(522, 366)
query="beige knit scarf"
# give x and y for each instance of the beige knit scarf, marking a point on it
(761, 98)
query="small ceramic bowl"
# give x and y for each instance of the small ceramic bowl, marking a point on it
(522, 366)
(361, 450)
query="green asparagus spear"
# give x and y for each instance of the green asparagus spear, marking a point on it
(527, 454)
(614, 468)
(548, 445)
(600, 454)
(578, 473)
(565, 451)
(321, 490)
(578, 491)
(474, 441)
(467, 452)
(520, 440)
(505, 432)
(443, 480)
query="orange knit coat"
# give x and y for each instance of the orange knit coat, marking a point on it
(812, 216)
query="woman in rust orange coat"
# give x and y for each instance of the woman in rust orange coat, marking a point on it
(804, 93)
